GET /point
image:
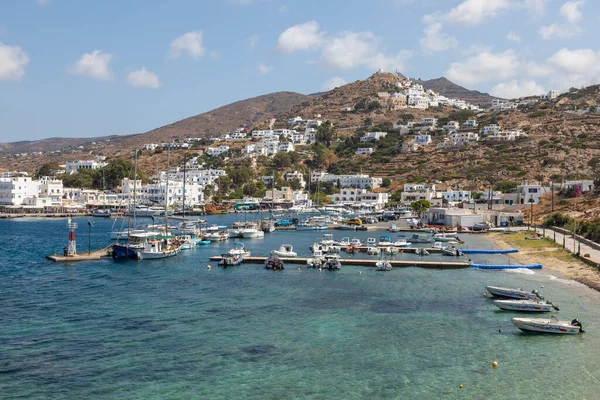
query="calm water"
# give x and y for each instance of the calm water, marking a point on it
(171, 329)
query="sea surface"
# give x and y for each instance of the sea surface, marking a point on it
(173, 329)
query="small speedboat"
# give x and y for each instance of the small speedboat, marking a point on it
(401, 243)
(385, 241)
(239, 249)
(274, 263)
(373, 251)
(393, 228)
(345, 242)
(552, 325)
(525, 305)
(355, 242)
(445, 237)
(228, 260)
(328, 240)
(421, 251)
(383, 265)
(332, 264)
(285, 250)
(452, 251)
(317, 259)
(371, 242)
(391, 250)
(514, 293)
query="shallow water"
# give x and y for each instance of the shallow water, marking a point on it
(173, 329)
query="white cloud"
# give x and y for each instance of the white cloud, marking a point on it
(536, 7)
(190, 43)
(143, 78)
(483, 67)
(473, 12)
(353, 49)
(537, 70)
(580, 61)
(42, 2)
(300, 37)
(515, 89)
(13, 61)
(93, 65)
(513, 37)
(263, 69)
(556, 31)
(332, 83)
(435, 40)
(253, 41)
(571, 10)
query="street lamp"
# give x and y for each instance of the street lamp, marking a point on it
(90, 224)
(531, 201)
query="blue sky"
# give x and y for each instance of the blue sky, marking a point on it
(76, 68)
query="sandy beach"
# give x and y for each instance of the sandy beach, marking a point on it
(550, 255)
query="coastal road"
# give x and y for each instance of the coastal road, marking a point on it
(573, 245)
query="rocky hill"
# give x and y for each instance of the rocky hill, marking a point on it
(451, 90)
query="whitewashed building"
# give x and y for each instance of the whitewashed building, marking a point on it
(360, 196)
(372, 136)
(217, 151)
(71, 167)
(364, 150)
(423, 140)
(358, 180)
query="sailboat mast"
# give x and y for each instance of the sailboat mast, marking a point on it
(134, 186)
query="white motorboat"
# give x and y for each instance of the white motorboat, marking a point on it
(445, 237)
(525, 305)
(391, 250)
(186, 242)
(451, 251)
(120, 235)
(373, 251)
(355, 242)
(239, 249)
(393, 228)
(383, 265)
(401, 243)
(385, 240)
(252, 233)
(371, 242)
(317, 259)
(345, 242)
(421, 251)
(216, 236)
(285, 250)
(343, 227)
(552, 325)
(328, 240)
(514, 293)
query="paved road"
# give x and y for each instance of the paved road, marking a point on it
(574, 246)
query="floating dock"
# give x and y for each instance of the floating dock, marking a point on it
(92, 256)
(481, 251)
(506, 266)
(364, 263)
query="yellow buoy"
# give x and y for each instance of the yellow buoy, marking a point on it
(460, 386)
(485, 295)
(298, 268)
(494, 364)
(360, 272)
(209, 267)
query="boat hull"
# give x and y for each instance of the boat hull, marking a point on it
(523, 305)
(511, 293)
(545, 326)
(152, 255)
(124, 251)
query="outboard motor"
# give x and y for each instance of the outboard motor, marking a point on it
(553, 305)
(576, 322)
(538, 295)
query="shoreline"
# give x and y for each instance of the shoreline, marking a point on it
(553, 258)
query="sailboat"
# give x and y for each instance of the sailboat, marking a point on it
(161, 246)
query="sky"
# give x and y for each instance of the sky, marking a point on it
(71, 68)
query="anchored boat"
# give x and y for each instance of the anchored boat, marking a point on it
(552, 325)
(525, 305)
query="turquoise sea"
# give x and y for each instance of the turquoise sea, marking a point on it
(172, 329)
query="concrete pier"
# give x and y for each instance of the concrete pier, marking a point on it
(365, 263)
(92, 256)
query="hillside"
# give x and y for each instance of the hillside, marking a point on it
(450, 89)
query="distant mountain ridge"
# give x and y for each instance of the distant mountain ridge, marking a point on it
(447, 88)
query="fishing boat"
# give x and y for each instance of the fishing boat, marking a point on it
(385, 240)
(306, 226)
(526, 305)
(158, 248)
(451, 251)
(373, 251)
(227, 260)
(552, 325)
(239, 249)
(136, 243)
(514, 293)
(383, 265)
(101, 213)
(274, 263)
(285, 250)
(200, 241)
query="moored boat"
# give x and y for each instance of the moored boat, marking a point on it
(158, 248)
(285, 250)
(514, 293)
(332, 264)
(373, 251)
(552, 325)
(239, 249)
(274, 263)
(227, 260)
(451, 251)
(525, 305)
(383, 265)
